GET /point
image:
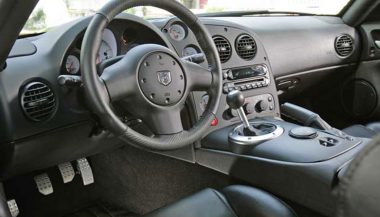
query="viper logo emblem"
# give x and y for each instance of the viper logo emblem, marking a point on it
(164, 77)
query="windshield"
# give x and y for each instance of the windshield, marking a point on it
(50, 13)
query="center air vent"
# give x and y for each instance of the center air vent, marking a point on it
(344, 45)
(38, 101)
(224, 48)
(246, 47)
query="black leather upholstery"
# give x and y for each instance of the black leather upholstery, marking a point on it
(359, 191)
(368, 131)
(233, 201)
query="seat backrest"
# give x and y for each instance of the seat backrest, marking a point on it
(359, 190)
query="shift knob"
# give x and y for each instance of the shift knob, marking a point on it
(235, 99)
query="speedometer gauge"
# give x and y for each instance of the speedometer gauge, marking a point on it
(72, 64)
(177, 32)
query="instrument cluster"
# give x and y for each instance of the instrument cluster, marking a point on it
(117, 39)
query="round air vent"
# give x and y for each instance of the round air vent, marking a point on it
(38, 101)
(224, 48)
(344, 45)
(246, 47)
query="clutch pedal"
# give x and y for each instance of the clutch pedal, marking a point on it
(44, 184)
(67, 172)
(13, 208)
(85, 171)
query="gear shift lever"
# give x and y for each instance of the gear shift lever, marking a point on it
(235, 100)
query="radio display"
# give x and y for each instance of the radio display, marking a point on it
(245, 73)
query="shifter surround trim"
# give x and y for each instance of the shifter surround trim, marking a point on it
(238, 143)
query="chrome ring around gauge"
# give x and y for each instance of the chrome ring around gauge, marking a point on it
(177, 32)
(236, 139)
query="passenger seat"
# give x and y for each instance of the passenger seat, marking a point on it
(367, 131)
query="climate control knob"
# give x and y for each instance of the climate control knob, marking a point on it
(261, 106)
(249, 108)
(232, 113)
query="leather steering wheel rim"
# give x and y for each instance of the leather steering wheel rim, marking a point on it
(97, 91)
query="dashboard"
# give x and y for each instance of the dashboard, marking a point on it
(259, 55)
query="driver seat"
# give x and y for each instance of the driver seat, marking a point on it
(233, 201)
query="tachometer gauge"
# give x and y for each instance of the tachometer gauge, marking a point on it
(72, 64)
(177, 32)
(105, 52)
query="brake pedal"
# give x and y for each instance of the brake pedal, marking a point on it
(85, 171)
(67, 172)
(13, 208)
(44, 184)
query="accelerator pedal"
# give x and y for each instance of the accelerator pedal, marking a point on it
(85, 171)
(44, 184)
(67, 172)
(13, 208)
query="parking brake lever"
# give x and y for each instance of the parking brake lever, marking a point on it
(310, 119)
(304, 116)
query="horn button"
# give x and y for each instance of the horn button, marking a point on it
(161, 79)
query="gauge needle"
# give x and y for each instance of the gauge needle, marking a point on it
(71, 67)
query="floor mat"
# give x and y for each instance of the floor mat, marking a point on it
(141, 181)
(101, 211)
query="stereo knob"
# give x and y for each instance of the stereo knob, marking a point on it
(261, 106)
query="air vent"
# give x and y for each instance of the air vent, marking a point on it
(224, 48)
(246, 47)
(344, 45)
(38, 101)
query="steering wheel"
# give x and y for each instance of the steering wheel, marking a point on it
(151, 81)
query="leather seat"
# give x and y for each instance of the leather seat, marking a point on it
(233, 201)
(359, 192)
(367, 131)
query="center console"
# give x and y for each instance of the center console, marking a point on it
(301, 160)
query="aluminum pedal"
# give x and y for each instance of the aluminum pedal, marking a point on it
(44, 184)
(85, 171)
(67, 172)
(13, 208)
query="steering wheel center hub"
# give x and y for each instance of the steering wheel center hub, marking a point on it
(161, 79)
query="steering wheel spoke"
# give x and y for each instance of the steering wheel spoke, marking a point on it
(164, 122)
(198, 77)
(119, 79)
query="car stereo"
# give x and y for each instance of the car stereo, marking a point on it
(246, 78)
